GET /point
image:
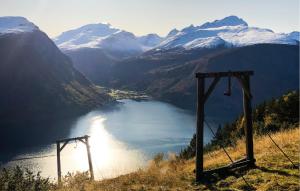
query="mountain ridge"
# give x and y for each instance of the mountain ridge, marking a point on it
(41, 91)
(170, 76)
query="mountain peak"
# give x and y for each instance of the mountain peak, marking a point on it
(173, 32)
(227, 21)
(16, 24)
(150, 40)
(85, 34)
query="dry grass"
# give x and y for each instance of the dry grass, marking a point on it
(274, 172)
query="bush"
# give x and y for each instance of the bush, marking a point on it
(17, 179)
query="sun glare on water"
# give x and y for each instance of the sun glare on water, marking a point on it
(110, 157)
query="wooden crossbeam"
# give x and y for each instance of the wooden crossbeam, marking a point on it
(73, 139)
(62, 147)
(224, 74)
(211, 88)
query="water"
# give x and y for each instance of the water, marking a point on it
(122, 139)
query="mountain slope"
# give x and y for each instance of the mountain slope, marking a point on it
(172, 77)
(39, 85)
(94, 48)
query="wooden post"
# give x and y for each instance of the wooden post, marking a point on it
(58, 162)
(199, 130)
(89, 157)
(248, 118)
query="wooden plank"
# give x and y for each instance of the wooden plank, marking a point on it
(211, 88)
(65, 143)
(224, 74)
(199, 130)
(73, 139)
(227, 168)
(82, 141)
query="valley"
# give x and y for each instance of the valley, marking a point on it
(135, 95)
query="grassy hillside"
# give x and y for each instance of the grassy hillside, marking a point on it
(270, 116)
(273, 172)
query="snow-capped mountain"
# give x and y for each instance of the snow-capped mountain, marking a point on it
(149, 41)
(294, 35)
(229, 32)
(106, 37)
(16, 25)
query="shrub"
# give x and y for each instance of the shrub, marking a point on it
(18, 179)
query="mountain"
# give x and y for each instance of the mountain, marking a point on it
(230, 31)
(170, 75)
(38, 83)
(16, 25)
(294, 35)
(94, 48)
(106, 37)
(149, 41)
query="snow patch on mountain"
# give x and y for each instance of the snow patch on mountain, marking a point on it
(294, 35)
(149, 41)
(120, 40)
(14, 24)
(172, 33)
(230, 31)
(86, 36)
(210, 42)
(105, 36)
(253, 35)
(227, 21)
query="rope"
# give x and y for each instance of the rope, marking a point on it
(207, 124)
(216, 137)
(286, 156)
(281, 150)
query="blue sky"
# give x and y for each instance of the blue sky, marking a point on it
(148, 16)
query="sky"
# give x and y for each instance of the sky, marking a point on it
(152, 16)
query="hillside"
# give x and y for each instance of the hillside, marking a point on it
(170, 76)
(94, 48)
(39, 85)
(273, 172)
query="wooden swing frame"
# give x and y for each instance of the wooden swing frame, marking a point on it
(64, 142)
(243, 78)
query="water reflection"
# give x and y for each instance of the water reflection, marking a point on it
(110, 157)
(121, 140)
